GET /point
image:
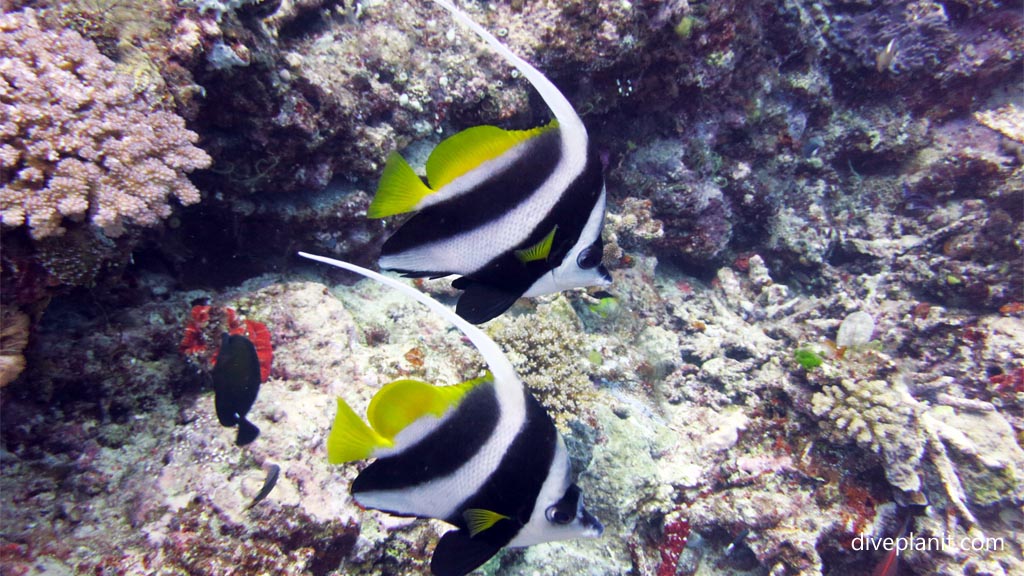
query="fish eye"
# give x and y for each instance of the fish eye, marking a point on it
(558, 516)
(591, 256)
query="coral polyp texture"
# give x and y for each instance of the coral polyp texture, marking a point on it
(548, 350)
(878, 416)
(77, 142)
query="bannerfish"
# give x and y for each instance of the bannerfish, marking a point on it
(513, 212)
(236, 382)
(483, 456)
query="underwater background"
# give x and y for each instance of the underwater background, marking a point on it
(814, 338)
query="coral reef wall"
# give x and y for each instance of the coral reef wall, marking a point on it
(773, 167)
(88, 161)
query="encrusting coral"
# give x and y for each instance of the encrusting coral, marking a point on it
(76, 141)
(1008, 120)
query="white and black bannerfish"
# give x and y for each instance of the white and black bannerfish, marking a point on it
(514, 212)
(483, 456)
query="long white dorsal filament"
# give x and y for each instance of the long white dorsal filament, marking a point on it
(496, 361)
(568, 122)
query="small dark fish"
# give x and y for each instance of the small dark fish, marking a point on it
(812, 146)
(916, 203)
(236, 382)
(272, 473)
(737, 541)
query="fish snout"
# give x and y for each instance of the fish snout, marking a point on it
(606, 276)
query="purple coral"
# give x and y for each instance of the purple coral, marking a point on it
(76, 140)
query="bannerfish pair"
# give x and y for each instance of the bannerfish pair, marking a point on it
(236, 383)
(483, 456)
(513, 212)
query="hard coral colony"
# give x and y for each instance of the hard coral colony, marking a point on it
(78, 141)
(811, 351)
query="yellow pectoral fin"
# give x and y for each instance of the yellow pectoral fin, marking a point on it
(403, 402)
(470, 148)
(400, 189)
(351, 438)
(538, 251)
(478, 519)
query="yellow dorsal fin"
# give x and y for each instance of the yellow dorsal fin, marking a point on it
(403, 402)
(470, 148)
(351, 438)
(400, 189)
(538, 251)
(478, 519)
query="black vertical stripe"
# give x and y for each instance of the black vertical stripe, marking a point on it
(570, 214)
(513, 488)
(492, 199)
(441, 452)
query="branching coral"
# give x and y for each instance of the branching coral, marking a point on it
(876, 416)
(547, 350)
(970, 446)
(75, 141)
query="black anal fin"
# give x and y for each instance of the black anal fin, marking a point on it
(457, 554)
(482, 302)
(247, 432)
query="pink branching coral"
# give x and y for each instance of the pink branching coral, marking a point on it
(77, 141)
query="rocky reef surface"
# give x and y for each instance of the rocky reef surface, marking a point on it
(815, 228)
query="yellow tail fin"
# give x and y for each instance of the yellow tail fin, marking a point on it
(351, 438)
(400, 189)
